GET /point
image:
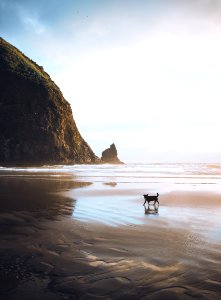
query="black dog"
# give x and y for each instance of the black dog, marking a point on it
(151, 198)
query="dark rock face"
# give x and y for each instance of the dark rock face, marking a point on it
(110, 155)
(36, 122)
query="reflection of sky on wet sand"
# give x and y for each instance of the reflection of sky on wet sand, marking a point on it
(192, 211)
(111, 210)
(112, 195)
(105, 227)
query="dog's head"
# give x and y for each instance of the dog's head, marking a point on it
(145, 196)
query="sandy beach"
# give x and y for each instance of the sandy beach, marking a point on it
(65, 238)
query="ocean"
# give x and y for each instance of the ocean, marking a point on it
(154, 175)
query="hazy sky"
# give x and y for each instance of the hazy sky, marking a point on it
(143, 74)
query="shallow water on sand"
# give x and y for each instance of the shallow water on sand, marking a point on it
(82, 232)
(112, 194)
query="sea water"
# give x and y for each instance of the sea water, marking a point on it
(155, 175)
(146, 177)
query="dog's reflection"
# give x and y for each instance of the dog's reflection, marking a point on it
(151, 211)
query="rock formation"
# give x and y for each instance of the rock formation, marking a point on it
(36, 122)
(110, 155)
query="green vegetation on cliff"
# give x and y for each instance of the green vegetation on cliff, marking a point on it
(14, 60)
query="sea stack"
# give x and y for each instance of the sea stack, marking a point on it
(110, 155)
(36, 122)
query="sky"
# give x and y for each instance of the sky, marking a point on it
(145, 75)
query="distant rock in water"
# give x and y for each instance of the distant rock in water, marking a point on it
(110, 155)
(36, 122)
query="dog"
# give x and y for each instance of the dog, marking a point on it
(151, 198)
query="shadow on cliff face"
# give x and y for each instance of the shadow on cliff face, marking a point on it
(36, 122)
(39, 194)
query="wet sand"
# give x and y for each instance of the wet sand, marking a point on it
(68, 239)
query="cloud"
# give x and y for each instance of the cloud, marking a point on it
(33, 25)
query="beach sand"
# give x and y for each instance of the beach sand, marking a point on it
(65, 239)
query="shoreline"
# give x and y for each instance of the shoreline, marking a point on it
(65, 238)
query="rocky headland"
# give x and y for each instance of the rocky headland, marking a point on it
(36, 122)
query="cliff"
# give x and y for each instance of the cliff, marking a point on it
(110, 155)
(36, 122)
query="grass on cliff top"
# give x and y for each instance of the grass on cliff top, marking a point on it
(17, 62)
